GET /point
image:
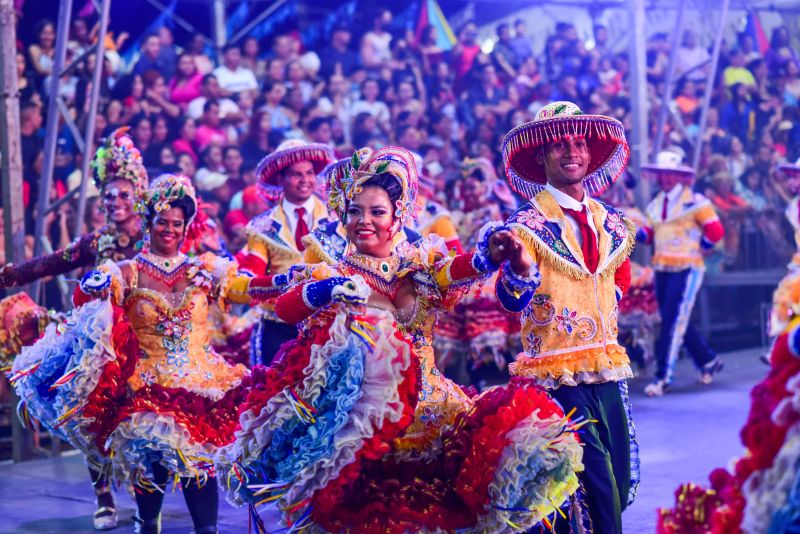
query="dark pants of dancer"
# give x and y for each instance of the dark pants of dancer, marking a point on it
(100, 483)
(202, 502)
(606, 452)
(676, 293)
(272, 335)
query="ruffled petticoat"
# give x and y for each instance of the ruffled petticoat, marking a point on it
(75, 382)
(56, 377)
(319, 441)
(761, 493)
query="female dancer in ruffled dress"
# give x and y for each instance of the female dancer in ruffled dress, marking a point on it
(132, 376)
(119, 171)
(356, 430)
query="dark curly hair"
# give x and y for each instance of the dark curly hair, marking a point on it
(185, 204)
(387, 182)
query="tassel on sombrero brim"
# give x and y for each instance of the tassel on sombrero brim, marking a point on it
(605, 137)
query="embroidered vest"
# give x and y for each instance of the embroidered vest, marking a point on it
(677, 239)
(271, 238)
(569, 330)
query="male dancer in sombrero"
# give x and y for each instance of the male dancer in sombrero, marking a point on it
(569, 328)
(682, 225)
(275, 238)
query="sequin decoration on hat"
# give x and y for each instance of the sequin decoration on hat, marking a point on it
(367, 163)
(118, 158)
(288, 153)
(604, 135)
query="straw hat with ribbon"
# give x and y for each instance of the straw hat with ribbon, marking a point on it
(604, 135)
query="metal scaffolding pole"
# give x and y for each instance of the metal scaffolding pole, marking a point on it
(88, 138)
(698, 146)
(220, 31)
(639, 109)
(241, 33)
(56, 109)
(51, 129)
(11, 174)
(665, 100)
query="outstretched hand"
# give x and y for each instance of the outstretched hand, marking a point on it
(506, 245)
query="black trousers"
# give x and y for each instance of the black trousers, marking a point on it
(676, 292)
(606, 476)
(269, 337)
(202, 501)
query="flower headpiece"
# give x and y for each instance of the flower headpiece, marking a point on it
(605, 136)
(118, 159)
(367, 163)
(168, 188)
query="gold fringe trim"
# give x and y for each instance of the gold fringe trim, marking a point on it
(543, 252)
(628, 246)
(556, 366)
(315, 253)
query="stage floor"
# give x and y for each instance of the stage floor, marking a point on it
(682, 436)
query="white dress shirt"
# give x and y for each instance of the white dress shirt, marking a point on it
(673, 196)
(291, 213)
(566, 201)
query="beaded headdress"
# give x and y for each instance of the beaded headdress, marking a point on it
(288, 153)
(367, 163)
(118, 159)
(605, 137)
(333, 172)
(168, 188)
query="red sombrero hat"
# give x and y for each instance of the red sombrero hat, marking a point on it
(789, 169)
(606, 139)
(288, 153)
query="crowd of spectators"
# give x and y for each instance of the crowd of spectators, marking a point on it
(214, 120)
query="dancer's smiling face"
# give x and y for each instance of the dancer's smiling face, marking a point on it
(166, 232)
(118, 197)
(370, 222)
(566, 160)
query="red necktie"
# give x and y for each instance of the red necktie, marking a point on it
(588, 239)
(664, 208)
(301, 230)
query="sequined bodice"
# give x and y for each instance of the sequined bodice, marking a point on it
(173, 336)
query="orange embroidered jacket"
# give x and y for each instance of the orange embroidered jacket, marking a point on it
(569, 324)
(691, 225)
